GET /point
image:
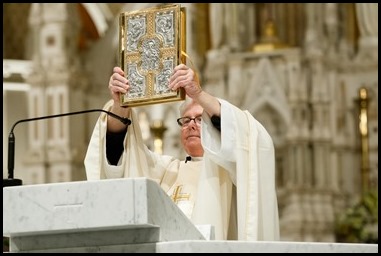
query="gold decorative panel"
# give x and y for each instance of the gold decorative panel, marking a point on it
(151, 43)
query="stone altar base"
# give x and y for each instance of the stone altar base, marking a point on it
(122, 215)
(92, 214)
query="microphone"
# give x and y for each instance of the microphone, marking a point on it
(188, 158)
(11, 140)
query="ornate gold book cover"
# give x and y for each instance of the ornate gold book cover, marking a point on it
(151, 42)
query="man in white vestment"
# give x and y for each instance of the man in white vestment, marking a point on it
(228, 177)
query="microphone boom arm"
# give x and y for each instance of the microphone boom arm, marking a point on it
(11, 139)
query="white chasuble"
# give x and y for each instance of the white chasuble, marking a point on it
(232, 189)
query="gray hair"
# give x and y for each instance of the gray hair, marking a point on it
(184, 105)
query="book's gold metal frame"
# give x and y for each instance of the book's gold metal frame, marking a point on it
(151, 43)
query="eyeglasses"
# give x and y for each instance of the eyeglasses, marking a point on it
(185, 121)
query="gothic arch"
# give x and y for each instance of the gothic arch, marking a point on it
(267, 89)
(99, 14)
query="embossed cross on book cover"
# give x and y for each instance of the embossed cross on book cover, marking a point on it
(151, 43)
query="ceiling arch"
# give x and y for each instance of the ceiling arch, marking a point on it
(100, 14)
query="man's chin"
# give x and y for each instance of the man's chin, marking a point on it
(194, 142)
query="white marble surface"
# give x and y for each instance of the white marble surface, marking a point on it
(192, 246)
(262, 247)
(207, 231)
(122, 215)
(80, 214)
(128, 248)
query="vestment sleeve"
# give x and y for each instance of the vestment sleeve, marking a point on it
(136, 159)
(246, 151)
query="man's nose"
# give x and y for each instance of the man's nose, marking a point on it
(192, 125)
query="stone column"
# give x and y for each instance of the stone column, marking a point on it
(56, 146)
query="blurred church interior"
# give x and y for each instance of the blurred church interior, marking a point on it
(307, 72)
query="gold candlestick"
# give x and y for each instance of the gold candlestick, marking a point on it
(269, 39)
(363, 103)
